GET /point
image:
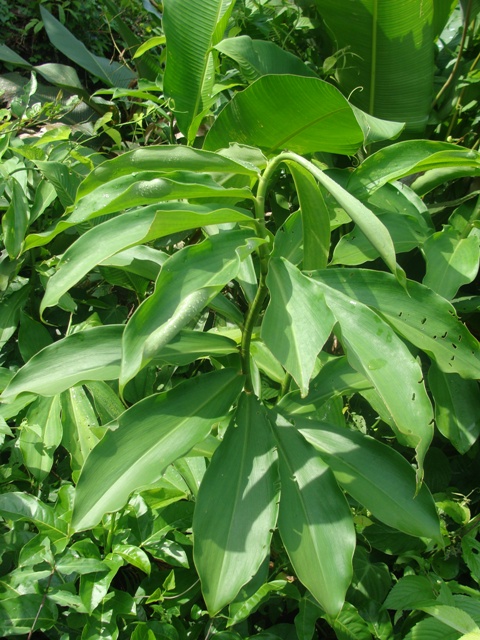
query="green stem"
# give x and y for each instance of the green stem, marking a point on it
(264, 254)
(262, 291)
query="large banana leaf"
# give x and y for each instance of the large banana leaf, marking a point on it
(297, 113)
(388, 65)
(192, 27)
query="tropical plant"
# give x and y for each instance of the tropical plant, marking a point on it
(244, 353)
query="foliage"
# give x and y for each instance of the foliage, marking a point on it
(223, 358)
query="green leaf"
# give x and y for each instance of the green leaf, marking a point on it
(22, 506)
(188, 346)
(288, 112)
(389, 56)
(375, 350)
(258, 58)
(134, 556)
(163, 159)
(15, 220)
(86, 355)
(422, 317)
(188, 281)
(79, 422)
(156, 41)
(132, 228)
(337, 377)
(406, 158)
(452, 617)
(40, 435)
(375, 475)
(318, 534)
(149, 187)
(148, 437)
(367, 221)
(457, 407)
(10, 310)
(32, 337)
(23, 613)
(297, 322)
(252, 603)
(232, 542)
(409, 592)
(112, 74)
(191, 29)
(471, 556)
(307, 616)
(94, 586)
(315, 218)
(63, 179)
(349, 624)
(451, 261)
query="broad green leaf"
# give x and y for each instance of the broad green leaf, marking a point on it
(422, 317)
(140, 260)
(375, 475)
(367, 221)
(349, 624)
(40, 435)
(190, 27)
(22, 506)
(315, 218)
(87, 355)
(187, 346)
(232, 542)
(288, 112)
(79, 422)
(389, 56)
(10, 310)
(404, 215)
(9, 55)
(94, 586)
(409, 592)
(305, 620)
(134, 556)
(33, 336)
(106, 402)
(149, 187)
(297, 322)
(15, 220)
(188, 281)
(64, 76)
(148, 437)
(252, 603)
(371, 580)
(113, 74)
(452, 617)
(457, 407)
(132, 228)
(337, 377)
(451, 261)
(258, 58)
(375, 350)
(163, 159)
(26, 612)
(314, 521)
(406, 158)
(63, 179)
